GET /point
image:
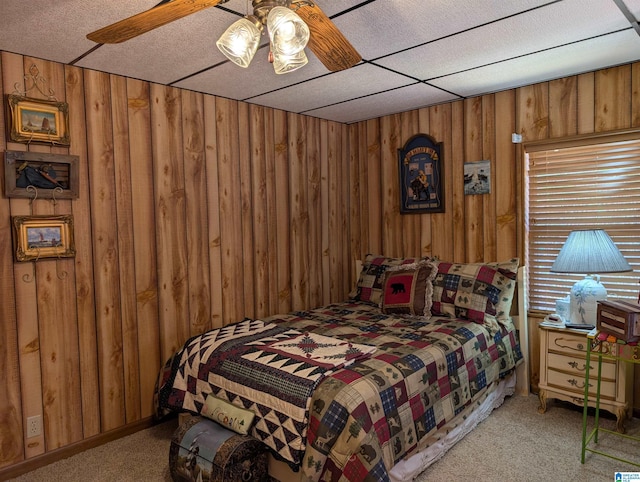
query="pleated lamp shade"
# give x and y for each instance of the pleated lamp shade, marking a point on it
(589, 252)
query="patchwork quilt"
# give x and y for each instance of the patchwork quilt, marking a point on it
(342, 392)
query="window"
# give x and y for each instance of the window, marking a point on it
(581, 183)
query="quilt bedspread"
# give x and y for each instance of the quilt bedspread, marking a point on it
(365, 417)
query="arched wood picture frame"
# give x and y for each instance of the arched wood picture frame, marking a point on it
(421, 175)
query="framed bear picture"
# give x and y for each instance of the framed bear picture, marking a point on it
(421, 175)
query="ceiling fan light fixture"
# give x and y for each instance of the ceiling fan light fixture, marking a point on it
(288, 33)
(283, 64)
(239, 42)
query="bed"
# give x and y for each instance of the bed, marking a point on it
(377, 387)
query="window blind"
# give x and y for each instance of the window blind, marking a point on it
(582, 184)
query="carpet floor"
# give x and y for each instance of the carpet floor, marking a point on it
(516, 443)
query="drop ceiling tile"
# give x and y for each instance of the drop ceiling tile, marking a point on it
(634, 7)
(529, 32)
(377, 105)
(57, 30)
(167, 53)
(607, 51)
(357, 81)
(385, 26)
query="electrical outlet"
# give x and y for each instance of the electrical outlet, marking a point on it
(34, 426)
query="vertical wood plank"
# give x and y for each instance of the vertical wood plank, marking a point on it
(105, 248)
(283, 227)
(613, 98)
(334, 226)
(473, 210)
(635, 95)
(126, 263)
(586, 103)
(563, 107)
(440, 120)
(372, 169)
(506, 178)
(195, 182)
(299, 211)
(392, 223)
(271, 212)
(489, 251)
(426, 234)
(325, 213)
(11, 411)
(358, 186)
(345, 257)
(533, 111)
(258, 191)
(26, 310)
(409, 127)
(227, 120)
(170, 229)
(314, 209)
(246, 209)
(144, 241)
(84, 285)
(213, 212)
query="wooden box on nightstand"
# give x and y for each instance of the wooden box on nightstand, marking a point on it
(562, 368)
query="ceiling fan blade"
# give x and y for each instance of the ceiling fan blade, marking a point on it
(143, 22)
(327, 42)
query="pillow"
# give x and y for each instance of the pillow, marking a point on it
(227, 414)
(480, 292)
(369, 285)
(408, 289)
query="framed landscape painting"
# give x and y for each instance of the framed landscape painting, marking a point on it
(38, 237)
(35, 120)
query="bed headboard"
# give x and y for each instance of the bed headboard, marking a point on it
(519, 316)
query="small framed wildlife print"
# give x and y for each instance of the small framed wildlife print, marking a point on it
(36, 120)
(38, 237)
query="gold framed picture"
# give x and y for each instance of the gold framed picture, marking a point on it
(38, 237)
(36, 120)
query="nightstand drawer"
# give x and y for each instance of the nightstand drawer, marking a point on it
(570, 364)
(568, 343)
(575, 383)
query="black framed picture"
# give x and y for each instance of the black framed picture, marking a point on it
(421, 175)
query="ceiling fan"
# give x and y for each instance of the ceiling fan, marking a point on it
(324, 39)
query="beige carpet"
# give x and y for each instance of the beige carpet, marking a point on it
(515, 443)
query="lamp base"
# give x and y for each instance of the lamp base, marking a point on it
(584, 297)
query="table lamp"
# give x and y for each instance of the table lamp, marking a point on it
(589, 252)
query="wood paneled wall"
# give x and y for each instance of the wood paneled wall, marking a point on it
(196, 211)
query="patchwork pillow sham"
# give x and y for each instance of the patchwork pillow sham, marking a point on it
(408, 289)
(369, 285)
(479, 292)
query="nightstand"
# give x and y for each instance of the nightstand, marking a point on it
(563, 362)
